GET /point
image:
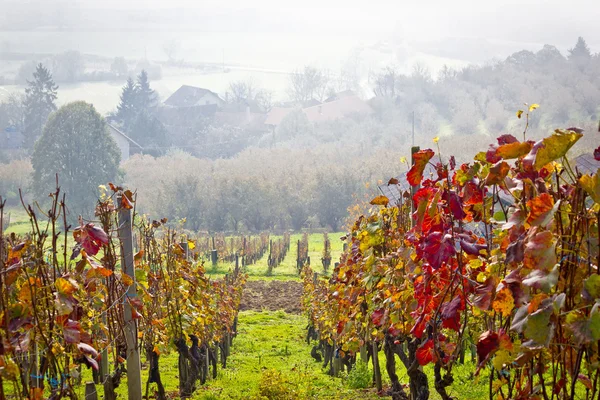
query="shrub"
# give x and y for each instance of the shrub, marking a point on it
(14, 176)
(360, 376)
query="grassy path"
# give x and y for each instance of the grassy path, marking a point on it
(271, 358)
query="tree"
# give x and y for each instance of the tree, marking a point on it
(119, 67)
(171, 48)
(68, 66)
(386, 83)
(294, 124)
(40, 96)
(77, 146)
(307, 84)
(149, 132)
(581, 51)
(240, 91)
(126, 109)
(146, 97)
(12, 112)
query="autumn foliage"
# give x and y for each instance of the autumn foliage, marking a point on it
(501, 252)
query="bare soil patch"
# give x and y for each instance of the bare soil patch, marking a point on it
(272, 295)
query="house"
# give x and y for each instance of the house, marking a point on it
(126, 145)
(587, 164)
(343, 107)
(337, 109)
(277, 114)
(11, 138)
(191, 96)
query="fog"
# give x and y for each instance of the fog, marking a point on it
(329, 92)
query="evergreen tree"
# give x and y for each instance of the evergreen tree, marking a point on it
(146, 98)
(127, 108)
(40, 96)
(150, 133)
(581, 51)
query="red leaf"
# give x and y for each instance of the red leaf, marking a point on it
(597, 154)
(452, 162)
(377, 317)
(425, 353)
(450, 313)
(506, 139)
(86, 348)
(438, 249)
(72, 331)
(455, 205)
(488, 343)
(472, 194)
(421, 158)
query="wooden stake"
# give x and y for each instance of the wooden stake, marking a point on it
(134, 376)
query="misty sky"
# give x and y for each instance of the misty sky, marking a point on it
(531, 21)
(525, 20)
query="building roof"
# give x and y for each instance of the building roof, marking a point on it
(248, 120)
(339, 95)
(188, 96)
(130, 140)
(337, 109)
(587, 164)
(277, 114)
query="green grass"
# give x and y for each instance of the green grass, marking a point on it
(287, 269)
(19, 221)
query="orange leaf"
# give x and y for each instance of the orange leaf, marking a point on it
(541, 210)
(513, 150)
(497, 173)
(420, 158)
(380, 201)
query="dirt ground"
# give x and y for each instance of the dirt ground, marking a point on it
(272, 295)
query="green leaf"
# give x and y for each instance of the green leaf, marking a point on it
(538, 327)
(591, 288)
(554, 147)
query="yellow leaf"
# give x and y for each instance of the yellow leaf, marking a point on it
(591, 184)
(66, 286)
(533, 107)
(191, 245)
(519, 113)
(127, 280)
(403, 160)
(436, 139)
(504, 303)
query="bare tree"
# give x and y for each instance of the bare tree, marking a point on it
(241, 90)
(171, 48)
(386, 83)
(307, 84)
(264, 99)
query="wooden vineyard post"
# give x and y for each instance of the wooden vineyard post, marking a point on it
(90, 391)
(134, 376)
(298, 256)
(237, 262)
(336, 361)
(413, 189)
(214, 257)
(376, 369)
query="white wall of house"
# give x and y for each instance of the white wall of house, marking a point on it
(122, 143)
(209, 98)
